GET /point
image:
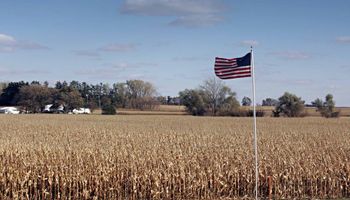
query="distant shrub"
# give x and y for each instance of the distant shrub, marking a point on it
(289, 105)
(193, 100)
(301, 114)
(275, 113)
(259, 113)
(304, 114)
(326, 108)
(109, 110)
(244, 113)
(335, 114)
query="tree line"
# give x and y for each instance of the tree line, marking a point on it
(32, 97)
(212, 98)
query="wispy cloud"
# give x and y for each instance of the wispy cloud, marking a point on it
(293, 81)
(87, 53)
(343, 39)
(249, 43)
(291, 55)
(188, 13)
(125, 66)
(114, 47)
(115, 70)
(196, 20)
(6, 39)
(345, 68)
(188, 59)
(97, 72)
(161, 44)
(267, 70)
(301, 82)
(10, 44)
(7, 71)
(111, 73)
(118, 47)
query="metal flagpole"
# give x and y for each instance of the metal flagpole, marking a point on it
(255, 136)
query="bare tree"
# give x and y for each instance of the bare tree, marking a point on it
(141, 94)
(3, 85)
(215, 93)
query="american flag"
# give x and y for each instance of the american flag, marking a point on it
(230, 68)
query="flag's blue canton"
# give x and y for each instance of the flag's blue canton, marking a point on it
(245, 60)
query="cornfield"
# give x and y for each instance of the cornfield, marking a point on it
(171, 157)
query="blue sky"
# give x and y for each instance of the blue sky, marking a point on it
(300, 46)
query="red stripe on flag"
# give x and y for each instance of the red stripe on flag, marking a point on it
(226, 69)
(228, 59)
(233, 77)
(233, 73)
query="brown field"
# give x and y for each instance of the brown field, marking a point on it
(344, 111)
(171, 157)
(181, 110)
(160, 110)
(309, 111)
